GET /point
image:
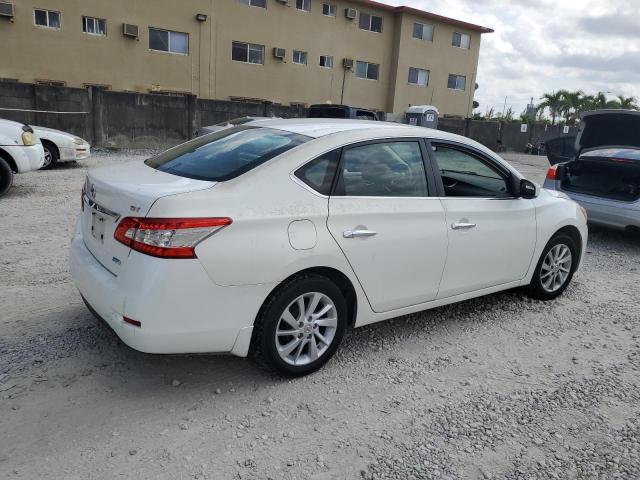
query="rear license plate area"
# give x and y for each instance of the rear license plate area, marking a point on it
(98, 223)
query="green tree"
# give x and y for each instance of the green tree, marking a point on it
(552, 102)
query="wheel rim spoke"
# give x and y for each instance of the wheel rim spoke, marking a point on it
(306, 328)
(556, 268)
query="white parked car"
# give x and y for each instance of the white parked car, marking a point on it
(61, 146)
(20, 151)
(274, 237)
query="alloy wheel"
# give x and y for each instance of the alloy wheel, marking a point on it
(556, 268)
(47, 158)
(306, 328)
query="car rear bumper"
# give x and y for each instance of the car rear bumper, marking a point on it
(180, 309)
(602, 211)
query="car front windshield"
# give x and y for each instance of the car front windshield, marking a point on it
(226, 154)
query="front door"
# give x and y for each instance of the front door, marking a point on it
(391, 231)
(492, 234)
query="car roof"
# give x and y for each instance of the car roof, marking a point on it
(320, 127)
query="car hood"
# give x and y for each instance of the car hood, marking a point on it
(43, 131)
(608, 128)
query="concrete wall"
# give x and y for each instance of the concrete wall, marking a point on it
(135, 120)
(66, 54)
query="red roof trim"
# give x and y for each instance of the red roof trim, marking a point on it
(425, 14)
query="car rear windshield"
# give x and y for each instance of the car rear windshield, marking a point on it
(328, 112)
(226, 154)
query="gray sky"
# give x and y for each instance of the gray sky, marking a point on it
(545, 45)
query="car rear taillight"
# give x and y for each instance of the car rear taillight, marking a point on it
(167, 237)
(552, 172)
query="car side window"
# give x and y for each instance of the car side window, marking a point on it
(389, 169)
(466, 175)
(318, 173)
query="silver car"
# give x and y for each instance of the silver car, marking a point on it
(604, 174)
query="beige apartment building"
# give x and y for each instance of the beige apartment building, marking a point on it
(356, 52)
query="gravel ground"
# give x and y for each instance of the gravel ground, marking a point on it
(497, 387)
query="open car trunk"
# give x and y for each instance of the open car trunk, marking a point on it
(612, 178)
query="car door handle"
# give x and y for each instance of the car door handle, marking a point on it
(462, 226)
(358, 233)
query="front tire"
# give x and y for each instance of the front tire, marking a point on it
(555, 268)
(300, 326)
(6, 176)
(51, 156)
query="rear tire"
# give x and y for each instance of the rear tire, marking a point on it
(6, 176)
(295, 341)
(555, 268)
(51, 156)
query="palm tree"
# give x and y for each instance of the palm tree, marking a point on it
(627, 103)
(572, 105)
(553, 102)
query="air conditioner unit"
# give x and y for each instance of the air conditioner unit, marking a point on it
(347, 63)
(350, 13)
(6, 10)
(129, 30)
(279, 53)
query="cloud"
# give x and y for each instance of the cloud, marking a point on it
(546, 45)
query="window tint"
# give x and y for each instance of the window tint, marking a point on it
(47, 18)
(418, 76)
(168, 41)
(94, 26)
(247, 52)
(226, 154)
(370, 22)
(457, 82)
(255, 3)
(423, 32)
(390, 169)
(461, 40)
(303, 5)
(465, 175)
(318, 174)
(329, 9)
(299, 57)
(367, 70)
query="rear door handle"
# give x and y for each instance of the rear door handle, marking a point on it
(358, 233)
(462, 226)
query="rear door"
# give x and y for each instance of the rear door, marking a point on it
(492, 234)
(390, 229)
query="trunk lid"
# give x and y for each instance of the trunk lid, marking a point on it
(609, 128)
(115, 192)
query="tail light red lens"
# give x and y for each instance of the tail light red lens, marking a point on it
(167, 237)
(551, 173)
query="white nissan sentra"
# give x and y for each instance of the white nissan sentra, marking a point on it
(274, 237)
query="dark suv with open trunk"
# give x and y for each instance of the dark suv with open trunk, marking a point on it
(604, 173)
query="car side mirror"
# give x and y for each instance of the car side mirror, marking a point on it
(528, 189)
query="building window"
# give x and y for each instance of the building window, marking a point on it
(247, 52)
(423, 32)
(418, 76)
(367, 70)
(329, 9)
(255, 3)
(46, 18)
(303, 5)
(326, 61)
(299, 57)
(168, 41)
(457, 82)
(94, 26)
(461, 40)
(370, 22)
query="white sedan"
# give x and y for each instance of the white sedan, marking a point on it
(20, 152)
(274, 237)
(61, 146)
